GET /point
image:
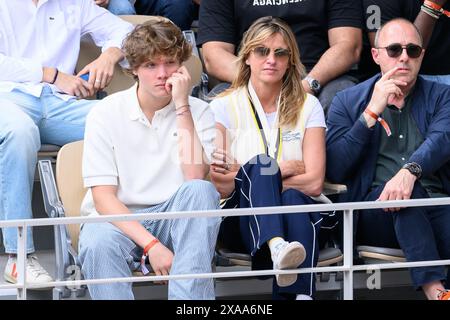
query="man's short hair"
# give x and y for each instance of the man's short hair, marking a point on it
(377, 35)
(156, 37)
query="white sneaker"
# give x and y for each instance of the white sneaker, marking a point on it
(36, 274)
(287, 255)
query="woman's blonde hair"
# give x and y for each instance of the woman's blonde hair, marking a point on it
(293, 95)
(156, 37)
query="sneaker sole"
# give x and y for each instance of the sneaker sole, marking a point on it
(292, 260)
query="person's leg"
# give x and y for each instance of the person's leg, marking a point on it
(121, 7)
(331, 88)
(105, 252)
(413, 230)
(258, 184)
(63, 121)
(440, 221)
(304, 228)
(192, 240)
(181, 12)
(19, 144)
(146, 7)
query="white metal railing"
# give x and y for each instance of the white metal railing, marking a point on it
(347, 268)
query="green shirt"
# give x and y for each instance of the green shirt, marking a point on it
(396, 149)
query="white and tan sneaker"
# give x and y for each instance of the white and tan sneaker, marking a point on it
(36, 274)
(287, 255)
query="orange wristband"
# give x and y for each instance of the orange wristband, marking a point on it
(436, 7)
(150, 245)
(383, 122)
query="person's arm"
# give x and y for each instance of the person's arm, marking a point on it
(425, 23)
(223, 168)
(101, 70)
(310, 182)
(108, 32)
(220, 60)
(107, 203)
(218, 36)
(21, 70)
(344, 51)
(190, 149)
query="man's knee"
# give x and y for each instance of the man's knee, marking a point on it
(200, 192)
(20, 134)
(99, 240)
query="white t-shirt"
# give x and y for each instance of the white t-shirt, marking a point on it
(123, 148)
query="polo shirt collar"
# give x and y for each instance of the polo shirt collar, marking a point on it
(136, 111)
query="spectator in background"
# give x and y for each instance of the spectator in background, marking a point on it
(41, 100)
(181, 12)
(118, 7)
(388, 138)
(328, 34)
(433, 26)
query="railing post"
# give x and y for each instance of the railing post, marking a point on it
(21, 262)
(348, 254)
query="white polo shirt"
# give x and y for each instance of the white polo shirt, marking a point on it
(123, 148)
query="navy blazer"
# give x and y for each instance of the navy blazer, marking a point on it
(352, 148)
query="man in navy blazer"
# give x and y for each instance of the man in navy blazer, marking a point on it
(389, 139)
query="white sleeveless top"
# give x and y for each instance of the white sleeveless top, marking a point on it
(235, 113)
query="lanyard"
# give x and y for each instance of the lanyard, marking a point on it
(272, 147)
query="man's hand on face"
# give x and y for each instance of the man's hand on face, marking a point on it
(179, 86)
(400, 187)
(385, 89)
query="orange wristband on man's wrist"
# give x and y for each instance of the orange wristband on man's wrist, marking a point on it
(383, 122)
(149, 246)
(145, 254)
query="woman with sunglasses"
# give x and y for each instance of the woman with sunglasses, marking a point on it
(271, 152)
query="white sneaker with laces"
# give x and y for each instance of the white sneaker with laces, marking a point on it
(287, 255)
(36, 274)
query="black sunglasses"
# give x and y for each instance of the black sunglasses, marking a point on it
(264, 52)
(395, 50)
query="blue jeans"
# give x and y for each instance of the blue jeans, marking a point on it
(106, 252)
(445, 79)
(25, 123)
(121, 7)
(181, 12)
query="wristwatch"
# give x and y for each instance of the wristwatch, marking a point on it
(413, 168)
(314, 85)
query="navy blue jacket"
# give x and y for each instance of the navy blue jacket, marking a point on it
(352, 148)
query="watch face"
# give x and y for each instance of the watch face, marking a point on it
(315, 84)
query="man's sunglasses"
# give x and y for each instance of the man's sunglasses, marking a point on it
(395, 50)
(264, 52)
